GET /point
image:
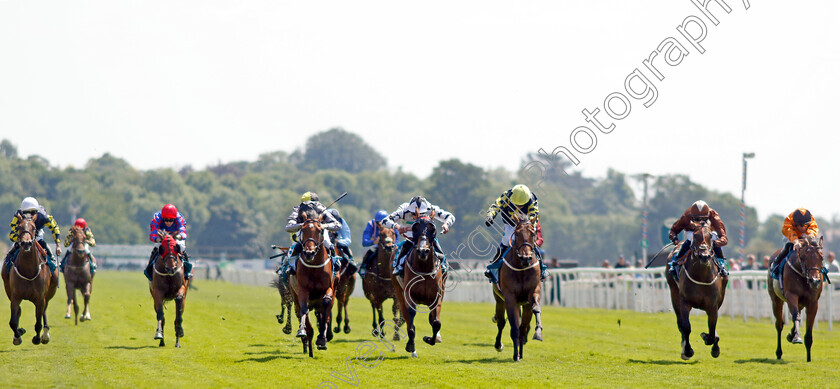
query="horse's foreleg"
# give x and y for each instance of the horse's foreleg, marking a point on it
(779, 314)
(179, 318)
(500, 324)
(685, 330)
(409, 346)
(338, 314)
(160, 319)
(346, 299)
(39, 316)
(14, 321)
(71, 299)
(524, 329)
(809, 325)
(515, 321)
(328, 306)
(434, 321)
(86, 312)
(795, 335)
(303, 312)
(711, 339)
(535, 308)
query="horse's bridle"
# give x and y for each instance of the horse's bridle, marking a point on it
(318, 245)
(518, 249)
(802, 271)
(175, 270)
(701, 246)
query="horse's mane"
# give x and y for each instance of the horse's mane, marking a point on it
(168, 245)
(308, 210)
(416, 228)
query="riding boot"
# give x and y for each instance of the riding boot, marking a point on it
(7, 262)
(543, 270)
(188, 275)
(148, 270)
(365, 261)
(776, 265)
(405, 248)
(92, 261)
(63, 260)
(297, 248)
(352, 267)
(721, 262)
(499, 253)
(52, 263)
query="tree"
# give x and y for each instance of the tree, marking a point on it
(460, 188)
(339, 149)
(8, 150)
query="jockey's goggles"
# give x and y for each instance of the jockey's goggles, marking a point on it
(699, 218)
(168, 220)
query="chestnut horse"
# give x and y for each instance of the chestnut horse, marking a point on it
(77, 275)
(801, 288)
(314, 283)
(30, 279)
(168, 283)
(344, 288)
(424, 282)
(700, 286)
(378, 286)
(519, 286)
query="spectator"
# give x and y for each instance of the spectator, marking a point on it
(554, 263)
(606, 265)
(622, 263)
(640, 264)
(765, 263)
(751, 263)
(832, 264)
(734, 266)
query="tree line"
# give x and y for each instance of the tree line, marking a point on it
(239, 209)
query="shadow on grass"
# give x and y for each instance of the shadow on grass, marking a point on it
(261, 360)
(482, 360)
(273, 355)
(768, 361)
(662, 362)
(131, 347)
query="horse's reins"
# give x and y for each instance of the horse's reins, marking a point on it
(40, 264)
(528, 244)
(317, 249)
(802, 265)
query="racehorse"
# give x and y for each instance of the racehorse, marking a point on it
(30, 279)
(801, 287)
(314, 283)
(519, 286)
(378, 286)
(344, 288)
(168, 283)
(77, 275)
(424, 282)
(700, 286)
(282, 286)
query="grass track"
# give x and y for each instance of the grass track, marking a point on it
(233, 340)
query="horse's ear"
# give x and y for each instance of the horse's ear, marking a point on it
(821, 241)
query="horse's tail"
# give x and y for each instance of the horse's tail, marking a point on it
(277, 284)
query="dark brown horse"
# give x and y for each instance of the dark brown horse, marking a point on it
(168, 283)
(378, 286)
(285, 295)
(519, 286)
(313, 285)
(344, 288)
(30, 279)
(700, 286)
(801, 288)
(423, 283)
(77, 275)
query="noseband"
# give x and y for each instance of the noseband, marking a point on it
(318, 245)
(802, 271)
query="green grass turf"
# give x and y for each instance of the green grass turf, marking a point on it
(233, 340)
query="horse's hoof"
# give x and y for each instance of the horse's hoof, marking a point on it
(86, 316)
(346, 329)
(177, 345)
(301, 333)
(287, 330)
(329, 336)
(500, 347)
(16, 341)
(396, 336)
(715, 351)
(438, 339)
(321, 343)
(409, 347)
(538, 335)
(20, 332)
(67, 316)
(161, 344)
(279, 319)
(159, 335)
(796, 340)
(685, 357)
(337, 329)
(430, 340)
(414, 354)
(494, 319)
(36, 339)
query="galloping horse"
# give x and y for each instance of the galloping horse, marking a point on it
(424, 282)
(378, 286)
(701, 287)
(77, 275)
(285, 294)
(519, 286)
(30, 279)
(801, 288)
(168, 283)
(313, 284)
(344, 288)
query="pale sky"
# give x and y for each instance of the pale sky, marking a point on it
(168, 84)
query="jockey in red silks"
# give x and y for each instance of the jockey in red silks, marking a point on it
(699, 212)
(169, 221)
(89, 242)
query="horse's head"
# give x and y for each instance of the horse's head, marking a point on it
(423, 231)
(79, 239)
(26, 231)
(701, 242)
(811, 260)
(387, 239)
(523, 241)
(170, 253)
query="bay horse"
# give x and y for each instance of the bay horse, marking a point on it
(77, 275)
(283, 288)
(801, 287)
(519, 286)
(377, 284)
(313, 285)
(169, 283)
(30, 279)
(424, 282)
(700, 286)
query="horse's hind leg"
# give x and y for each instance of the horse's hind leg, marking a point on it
(346, 316)
(500, 324)
(179, 320)
(71, 299)
(338, 315)
(711, 339)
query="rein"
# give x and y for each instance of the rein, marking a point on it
(41, 263)
(693, 254)
(801, 265)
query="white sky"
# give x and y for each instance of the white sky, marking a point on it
(167, 84)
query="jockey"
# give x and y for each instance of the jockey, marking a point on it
(310, 199)
(517, 200)
(699, 212)
(30, 206)
(169, 221)
(370, 238)
(799, 225)
(89, 242)
(410, 212)
(342, 241)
